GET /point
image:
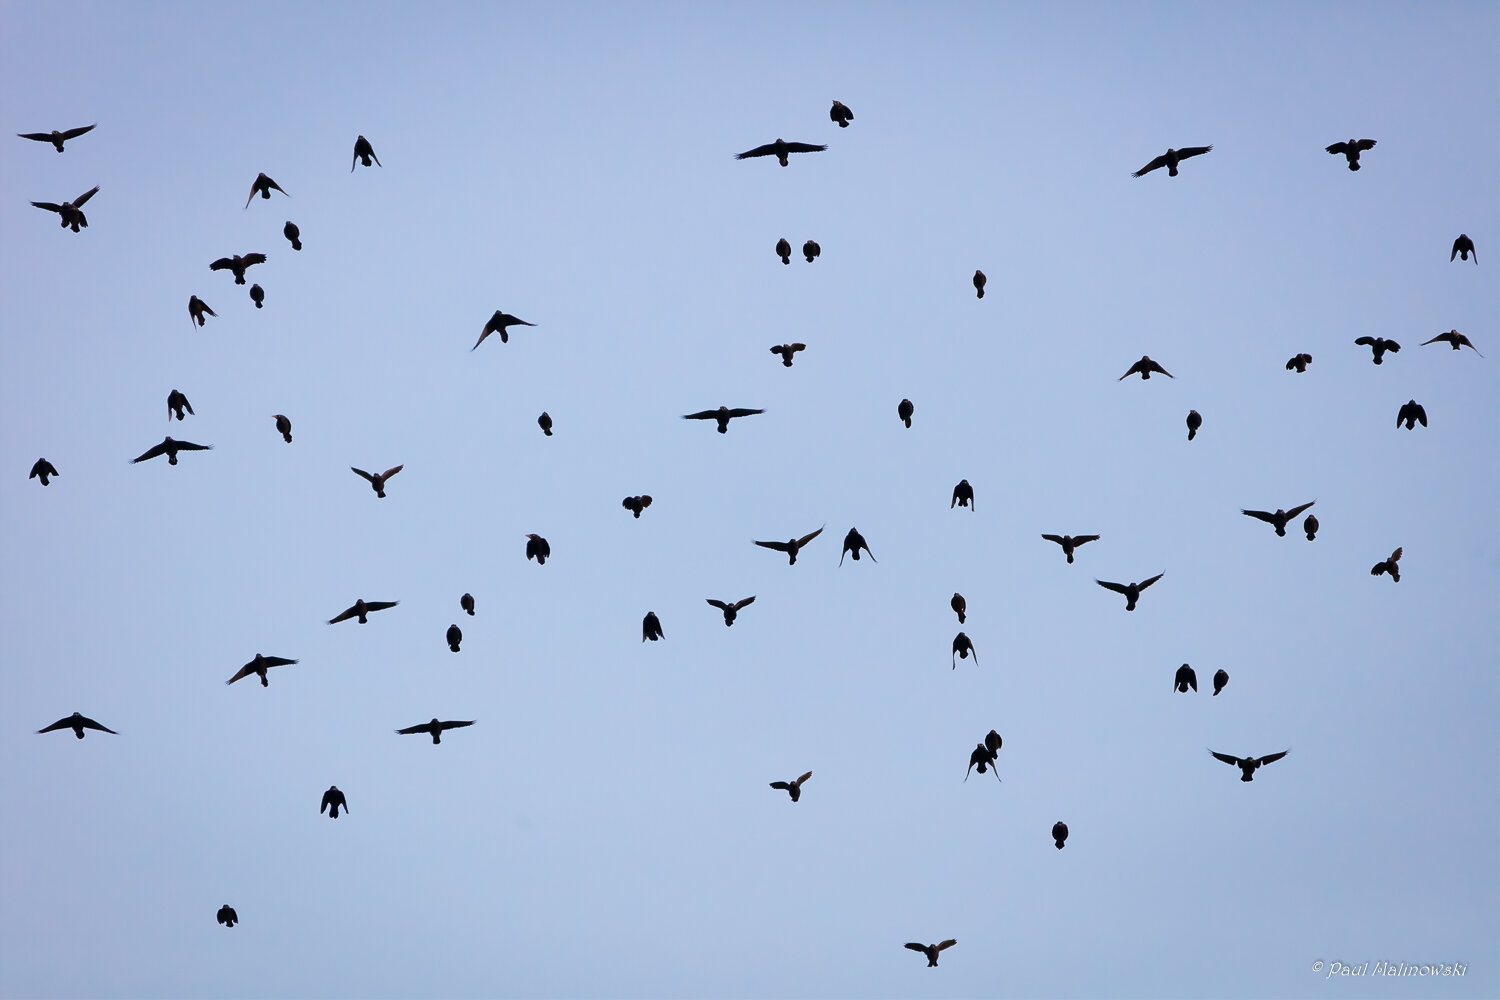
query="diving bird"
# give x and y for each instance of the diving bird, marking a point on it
(1389, 566)
(792, 545)
(71, 211)
(537, 548)
(839, 113)
(500, 322)
(257, 295)
(333, 801)
(58, 138)
(1455, 340)
(1132, 591)
(170, 448)
(962, 647)
(454, 636)
(959, 605)
(636, 504)
(263, 185)
(236, 265)
(1280, 519)
(41, 469)
(467, 603)
(1185, 678)
(435, 728)
(1071, 542)
(1378, 346)
(1144, 368)
(853, 542)
(364, 153)
(786, 351)
(811, 250)
(1311, 526)
(1059, 834)
(1350, 151)
(784, 250)
(792, 788)
(377, 481)
(176, 403)
(78, 723)
(1411, 413)
(196, 308)
(983, 758)
(780, 149)
(1194, 421)
(1170, 159)
(651, 627)
(284, 427)
(931, 950)
(731, 610)
(723, 415)
(963, 495)
(1221, 677)
(360, 609)
(227, 916)
(904, 410)
(545, 423)
(293, 234)
(979, 280)
(1248, 765)
(1299, 363)
(1462, 246)
(259, 666)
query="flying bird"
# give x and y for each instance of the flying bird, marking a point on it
(377, 482)
(257, 295)
(985, 754)
(792, 788)
(284, 427)
(1194, 421)
(853, 542)
(651, 627)
(500, 323)
(227, 916)
(545, 423)
(784, 250)
(636, 504)
(1059, 834)
(1248, 765)
(58, 138)
(1455, 340)
(467, 603)
(904, 410)
(1411, 413)
(959, 605)
(360, 609)
(723, 415)
(262, 185)
(1170, 159)
(839, 113)
(1071, 542)
(1185, 678)
(293, 234)
(1311, 526)
(1221, 677)
(962, 647)
(731, 610)
(364, 153)
(1350, 151)
(41, 469)
(1132, 591)
(963, 495)
(259, 666)
(196, 308)
(811, 250)
(237, 265)
(1389, 566)
(1378, 346)
(435, 728)
(71, 211)
(537, 548)
(454, 636)
(333, 801)
(1280, 519)
(792, 545)
(1144, 368)
(786, 351)
(170, 448)
(176, 403)
(931, 950)
(1462, 246)
(1299, 363)
(979, 280)
(780, 149)
(78, 723)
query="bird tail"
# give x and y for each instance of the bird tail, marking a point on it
(1192, 433)
(980, 292)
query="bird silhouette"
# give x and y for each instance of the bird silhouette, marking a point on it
(262, 185)
(651, 627)
(236, 265)
(1462, 245)
(959, 605)
(1411, 413)
(839, 113)
(792, 788)
(1249, 765)
(1221, 677)
(811, 250)
(931, 950)
(962, 647)
(500, 322)
(41, 469)
(792, 545)
(1185, 678)
(176, 403)
(435, 728)
(545, 423)
(364, 153)
(1281, 518)
(467, 603)
(1350, 151)
(257, 295)
(979, 280)
(636, 504)
(71, 211)
(1071, 542)
(293, 234)
(78, 723)
(170, 448)
(786, 351)
(731, 611)
(259, 666)
(58, 138)
(723, 415)
(1059, 834)
(1455, 340)
(784, 250)
(1194, 421)
(1299, 363)
(1311, 526)
(1378, 346)
(360, 609)
(377, 481)
(454, 636)
(780, 149)
(1170, 159)
(963, 495)
(1144, 368)
(196, 308)
(284, 427)
(333, 801)
(1132, 591)
(1389, 566)
(904, 410)
(853, 542)
(227, 916)
(538, 549)
(982, 758)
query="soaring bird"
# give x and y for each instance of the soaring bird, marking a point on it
(1411, 413)
(731, 610)
(853, 542)
(1059, 834)
(1185, 678)
(1378, 346)
(1144, 368)
(41, 469)
(780, 149)
(293, 234)
(962, 647)
(58, 138)
(1281, 518)
(792, 788)
(1071, 542)
(467, 603)
(1170, 159)
(377, 482)
(1462, 246)
(71, 211)
(259, 666)
(1389, 566)
(1194, 421)
(1455, 340)
(811, 250)
(1350, 151)
(196, 308)
(723, 415)
(454, 636)
(786, 351)
(78, 723)
(963, 495)
(904, 410)
(500, 322)
(784, 250)
(979, 280)
(839, 113)
(545, 423)
(364, 153)
(636, 504)
(237, 265)
(333, 801)
(1248, 765)
(360, 609)
(435, 728)
(176, 403)
(263, 185)
(982, 758)
(959, 605)
(931, 950)
(284, 427)
(651, 627)
(1299, 363)
(227, 916)
(170, 448)
(792, 545)
(1221, 677)
(1311, 526)
(537, 548)
(258, 296)
(1132, 591)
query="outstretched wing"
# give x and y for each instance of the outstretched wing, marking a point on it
(253, 258)
(277, 661)
(1146, 583)
(800, 780)
(804, 147)
(741, 411)
(809, 537)
(1054, 538)
(189, 446)
(1187, 151)
(1396, 556)
(222, 264)
(454, 724)
(78, 202)
(1270, 757)
(1393, 347)
(152, 452)
(344, 615)
(1160, 161)
(701, 415)
(1366, 341)
(1226, 758)
(60, 723)
(1338, 147)
(767, 150)
(362, 473)
(1365, 144)
(742, 604)
(380, 605)
(1118, 588)
(1299, 509)
(718, 604)
(1080, 539)
(942, 945)
(916, 947)
(388, 473)
(425, 727)
(90, 723)
(1260, 515)
(781, 786)
(244, 672)
(48, 206)
(778, 546)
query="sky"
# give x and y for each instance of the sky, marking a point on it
(605, 828)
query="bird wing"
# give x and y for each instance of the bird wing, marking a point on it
(804, 147)
(1396, 556)
(78, 202)
(800, 780)
(361, 473)
(327, 799)
(718, 604)
(1299, 509)
(1080, 539)
(152, 452)
(425, 727)
(1365, 341)
(48, 206)
(742, 411)
(765, 150)
(1158, 368)
(1054, 538)
(701, 415)
(189, 446)
(1260, 515)
(344, 616)
(1118, 588)
(60, 723)
(38, 136)
(645, 501)
(781, 786)
(1160, 161)
(222, 264)
(1338, 147)
(252, 258)
(798, 347)
(1187, 151)
(809, 537)
(1365, 144)
(277, 661)
(1270, 757)
(947, 944)
(91, 724)
(1446, 338)
(1146, 583)
(745, 603)
(354, 159)
(244, 672)
(455, 724)
(388, 473)
(1393, 347)
(916, 947)
(1226, 758)
(778, 546)
(380, 605)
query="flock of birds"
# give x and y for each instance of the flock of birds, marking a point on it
(985, 755)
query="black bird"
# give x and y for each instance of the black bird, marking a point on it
(983, 758)
(1299, 363)
(237, 265)
(1455, 340)
(500, 322)
(284, 427)
(1311, 526)
(1351, 151)
(41, 469)
(454, 637)
(1248, 765)
(853, 542)
(993, 742)
(293, 234)
(723, 415)
(962, 647)
(792, 788)
(1144, 368)
(435, 728)
(196, 308)
(1132, 591)
(257, 295)
(1194, 421)
(360, 609)
(1411, 413)
(959, 605)
(259, 666)
(333, 801)
(1378, 346)
(71, 211)
(1462, 246)
(784, 250)
(792, 545)
(58, 138)
(963, 495)
(176, 403)
(904, 410)
(786, 351)
(780, 149)
(537, 548)
(1281, 518)
(1059, 834)
(931, 950)
(364, 153)
(467, 603)
(979, 280)
(545, 423)
(377, 481)
(636, 504)
(811, 250)
(1071, 542)
(1170, 159)
(263, 185)
(227, 916)
(839, 113)
(731, 610)
(651, 627)
(1184, 679)
(1221, 677)
(1389, 566)
(78, 723)
(170, 448)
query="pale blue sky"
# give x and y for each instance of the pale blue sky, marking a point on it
(606, 829)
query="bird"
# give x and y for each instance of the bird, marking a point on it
(1299, 363)
(1184, 679)
(786, 351)
(963, 495)
(1071, 542)
(237, 265)
(1462, 245)
(435, 728)
(284, 427)
(360, 609)
(962, 647)
(792, 788)
(1350, 151)
(979, 280)
(1132, 591)
(227, 916)
(1194, 421)
(1411, 412)
(1311, 526)
(1170, 159)
(1378, 346)
(333, 801)
(263, 184)
(1221, 677)
(1248, 765)
(78, 723)
(839, 113)
(176, 403)
(1280, 518)
(71, 211)
(377, 482)
(723, 415)
(1059, 834)
(293, 234)
(651, 627)
(636, 504)
(1389, 566)
(545, 423)
(1144, 368)
(170, 448)
(467, 603)
(537, 548)
(853, 542)
(257, 295)
(811, 250)
(904, 410)
(985, 754)
(41, 469)
(731, 610)
(1455, 340)
(500, 322)
(454, 637)
(931, 950)
(196, 308)
(993, 742)
(780, 149)
(792, 545)
(959, 605)
(58, 138)
(364, 153)
(259, 666)
(784, 250)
